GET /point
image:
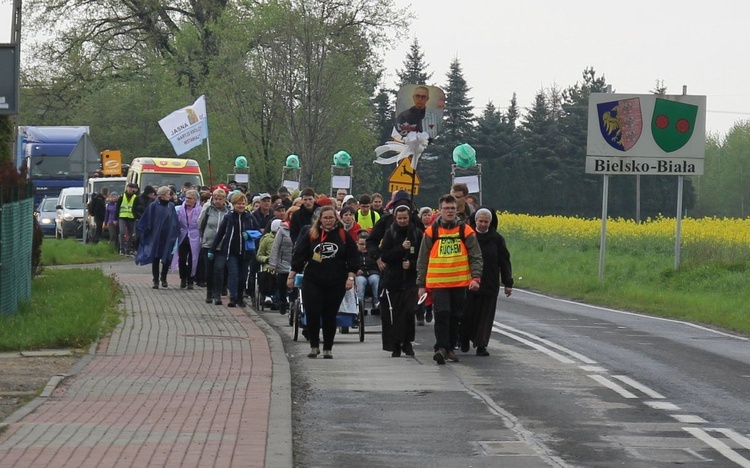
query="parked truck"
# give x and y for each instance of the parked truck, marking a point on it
(45, 151)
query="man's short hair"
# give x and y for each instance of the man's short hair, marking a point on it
(447, 198)
(461, 187)
(307, 192)
(363, 234)
(365, 200)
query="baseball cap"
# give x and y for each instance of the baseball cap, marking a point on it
(264, 195)
(282, 189)
(132, 185)
(256, 199)
(278, 206)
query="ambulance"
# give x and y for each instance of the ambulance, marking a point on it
(157, 172)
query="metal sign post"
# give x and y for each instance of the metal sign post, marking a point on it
(341, 177)
(290, 177)
(471, 176)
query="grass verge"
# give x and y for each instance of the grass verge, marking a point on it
(73, 252)
(68, 309)
(709, 293)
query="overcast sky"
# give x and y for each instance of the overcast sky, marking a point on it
(523, 46)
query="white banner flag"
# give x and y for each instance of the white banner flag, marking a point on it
(186, 128)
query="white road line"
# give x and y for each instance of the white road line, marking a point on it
(662, 405)
(739, 438)
(689, 418)
(613, 386)
(718, 445)
(556, 346)
(644, 316)
(541, 348)
(593, 369)
(637, 385)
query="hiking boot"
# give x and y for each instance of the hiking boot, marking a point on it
(209, 300)
(327, 354)
(156, 284)
(439, 356)
(451, 356)
(217, 301)
(314, 352)
(183, 283)
(482, 352)
(408, 349)
(428, 316)
(397, 351)
(232, 303)
(465, 346)
(420, 323)
(164, 283)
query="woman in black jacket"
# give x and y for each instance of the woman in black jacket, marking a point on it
(229, 248)
(399, 251)
(479, 310)
(328, 256)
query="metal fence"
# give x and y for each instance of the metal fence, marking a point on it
(16, 239)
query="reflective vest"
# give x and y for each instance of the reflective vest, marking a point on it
(448, 266)
(126, 207)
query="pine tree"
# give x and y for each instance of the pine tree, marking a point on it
(414, 71)
(459, 120)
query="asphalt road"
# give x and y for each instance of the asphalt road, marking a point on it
(566, 385)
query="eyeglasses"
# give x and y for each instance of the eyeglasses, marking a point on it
(448, 208)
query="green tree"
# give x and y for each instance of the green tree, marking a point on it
(415, 67)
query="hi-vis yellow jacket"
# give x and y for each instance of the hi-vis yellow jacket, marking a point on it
(452, 261)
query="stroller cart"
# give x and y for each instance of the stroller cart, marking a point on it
(349, 318)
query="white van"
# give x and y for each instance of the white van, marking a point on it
(69, 219)
(114, 184)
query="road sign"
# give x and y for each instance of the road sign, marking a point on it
(401, 178)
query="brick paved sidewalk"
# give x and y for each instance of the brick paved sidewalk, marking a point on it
(179, 383)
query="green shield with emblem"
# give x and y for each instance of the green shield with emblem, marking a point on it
(672, 124)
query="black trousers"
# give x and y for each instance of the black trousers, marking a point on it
(155, 269)
(321, 303)
(448, 305)
(185, 260)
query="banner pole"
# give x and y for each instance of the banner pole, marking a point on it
(210, 172)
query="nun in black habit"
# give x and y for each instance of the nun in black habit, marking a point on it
(479, 310)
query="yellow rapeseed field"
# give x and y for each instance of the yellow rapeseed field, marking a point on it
(703, 240)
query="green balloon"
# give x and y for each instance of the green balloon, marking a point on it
(464, 155)
(292, 161)
(240, 161)
(342, 159)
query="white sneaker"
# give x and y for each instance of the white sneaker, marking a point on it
(314, 352)
(268, 302)
(327, 354)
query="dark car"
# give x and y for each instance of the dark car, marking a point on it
(45, 215)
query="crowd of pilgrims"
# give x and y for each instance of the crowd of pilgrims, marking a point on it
(348, 249)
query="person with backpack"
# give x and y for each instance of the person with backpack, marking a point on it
(328, 256)
(365, 217)
(450, 259)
